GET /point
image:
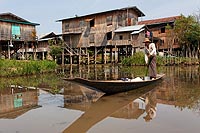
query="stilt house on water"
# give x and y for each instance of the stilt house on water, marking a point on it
(17, 37)
(103, 37)
(162, 36)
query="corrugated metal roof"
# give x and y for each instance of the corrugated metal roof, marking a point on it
(137, 31)
(17, 22)
(4, 17)
(130, 28)
(49, 35)
(139, 12)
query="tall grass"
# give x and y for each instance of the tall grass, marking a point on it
(138, 60)
(16, 68)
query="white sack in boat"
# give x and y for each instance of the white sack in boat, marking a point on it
(137, 79)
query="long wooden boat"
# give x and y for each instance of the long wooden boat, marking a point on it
(114, 86)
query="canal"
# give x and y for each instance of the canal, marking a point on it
(47, 103)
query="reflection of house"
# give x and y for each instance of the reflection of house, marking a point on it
(161, 34)
(16, 33)
(113, 32)
(79, 98)
(130, 111)
(16, 101)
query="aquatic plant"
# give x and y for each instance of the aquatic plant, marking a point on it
(138, 60)
(16, 68)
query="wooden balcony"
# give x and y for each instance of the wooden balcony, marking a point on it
(31, 50)
(21, 37)
(77, 30)
(119, 42)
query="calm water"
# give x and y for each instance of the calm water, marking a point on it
(47, 104)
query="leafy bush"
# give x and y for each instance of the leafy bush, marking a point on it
(136, 59)
(15, 68)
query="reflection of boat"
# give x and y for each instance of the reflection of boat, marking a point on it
(104, 107)
(114, 86)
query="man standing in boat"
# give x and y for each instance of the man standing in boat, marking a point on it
(150, 57)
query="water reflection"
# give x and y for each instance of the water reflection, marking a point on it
(114, 106)
(79, 98)
(104, 72)
(178, 96)
(16, 100)
(181, 87)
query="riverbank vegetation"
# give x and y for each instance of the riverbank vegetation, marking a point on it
(11, 68)
(187, 33)
(138, 60)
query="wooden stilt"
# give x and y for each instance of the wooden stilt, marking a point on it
(71, 62)
(42, 55)
(132, 51)
(88, 57)
(116, 56)
(79, 56)
(95, 55)
(111, 55)
(105, 56)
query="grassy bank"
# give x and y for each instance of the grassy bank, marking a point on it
(138, 59)
(9, 68)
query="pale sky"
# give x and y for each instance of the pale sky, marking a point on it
(46, 12)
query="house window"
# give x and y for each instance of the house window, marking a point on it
(135, 37)
(119, 20)
(128, 21)
(67, 39)
(16, 32)
(82, 23)
(120, 37)
(91, 38)
(134, 21)
(66, 27)
(109, 35)
(109, 20)
(175, 40)
(162, 30)
(162, 42)
(129, 37)
(92, 23)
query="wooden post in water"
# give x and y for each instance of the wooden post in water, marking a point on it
(95, 55)
(88, 58)
(23, 50)
(105, 56)
(71, 59)
(116, 56)
(42, 55)
(111, 55)
(79, 56)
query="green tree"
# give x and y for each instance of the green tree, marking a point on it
(170, 38)
(187, 31)
(35, 43)
(56, 47)
(197, 17)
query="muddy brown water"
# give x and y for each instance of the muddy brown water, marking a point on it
(48, 104)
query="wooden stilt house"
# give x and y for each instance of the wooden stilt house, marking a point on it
(16, 33)
(163, 37)
(105, 36)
